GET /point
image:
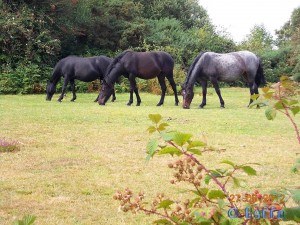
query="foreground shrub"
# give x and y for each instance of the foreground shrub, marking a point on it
(210, 201)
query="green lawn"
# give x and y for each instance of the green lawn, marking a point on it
(75, 156)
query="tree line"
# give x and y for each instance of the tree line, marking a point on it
(35, 34)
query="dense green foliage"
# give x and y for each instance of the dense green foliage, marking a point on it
(34, 35)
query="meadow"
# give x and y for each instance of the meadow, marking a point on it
(75, 156)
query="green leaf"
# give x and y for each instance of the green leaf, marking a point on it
(228, 162)
(163, 221)
(201, 191)
(201, 220)
(295, 110)
(254, 96)
(151, 148)
(215, 194)
(292, 214)
(293, 102)
(258, 102)
(270, 113)
(151, 129)
(278, 105)
(165, 204)
(236, 221)
(195, 151)
(181, 138)
(170, 150)
(265, 89)
(27, 220)
(296, 195)
(249, 170)
(284, 78)
(236, 182)
(268, 95)
(155, 118)
(162, 126)
(207, 178)
(168, 136)
(196, 144)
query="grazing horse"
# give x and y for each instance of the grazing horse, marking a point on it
(144, 65)
(214, 67)
(72, 67)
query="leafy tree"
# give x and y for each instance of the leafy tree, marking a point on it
(259, 40)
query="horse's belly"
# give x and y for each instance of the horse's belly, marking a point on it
(229, 77)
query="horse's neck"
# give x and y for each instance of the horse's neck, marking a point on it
(55, 77)
(192, 78)
(112, 79)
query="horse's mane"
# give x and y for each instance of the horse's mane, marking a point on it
(193, 66)
(115, 61)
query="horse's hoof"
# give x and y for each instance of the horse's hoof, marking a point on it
(201, 106)
(129, 103)
(114, 99)
(176, 103)
(159, 104)
(73, 100)
(138, 104)
(222, 107)
(59, 100)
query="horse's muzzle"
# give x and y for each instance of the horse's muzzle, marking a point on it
(186, 107)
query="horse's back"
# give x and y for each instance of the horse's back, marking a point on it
(151, 64)
(224, 66)
(83, 68)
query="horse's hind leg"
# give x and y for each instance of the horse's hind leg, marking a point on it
(161, 80)
(217, 89)
(253, 90)
(173, 85)
(72, 83)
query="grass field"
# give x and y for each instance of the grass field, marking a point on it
(75, 156)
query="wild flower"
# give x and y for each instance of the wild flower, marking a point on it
(8, 145)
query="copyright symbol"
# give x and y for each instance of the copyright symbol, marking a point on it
(232, 213)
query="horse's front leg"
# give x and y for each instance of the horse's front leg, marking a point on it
(113, 96)
(161, 80)
(204, 92)
(133, 88)
(217, 89)
(64, 88)
(131, 79)
(73, 90)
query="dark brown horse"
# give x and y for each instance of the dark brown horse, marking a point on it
(144, 65)
(72, 67)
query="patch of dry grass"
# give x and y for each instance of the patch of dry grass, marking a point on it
(75, 156)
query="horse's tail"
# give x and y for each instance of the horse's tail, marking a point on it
(260, 77)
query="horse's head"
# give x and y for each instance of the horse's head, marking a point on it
(105, 92)
(50, 90)
(188, 95)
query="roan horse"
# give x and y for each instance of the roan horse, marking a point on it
(145, 65)
(72, 67)
(214, 67)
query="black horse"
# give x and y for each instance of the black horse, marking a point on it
(72, 67)
(145, 65)
(222, 67)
